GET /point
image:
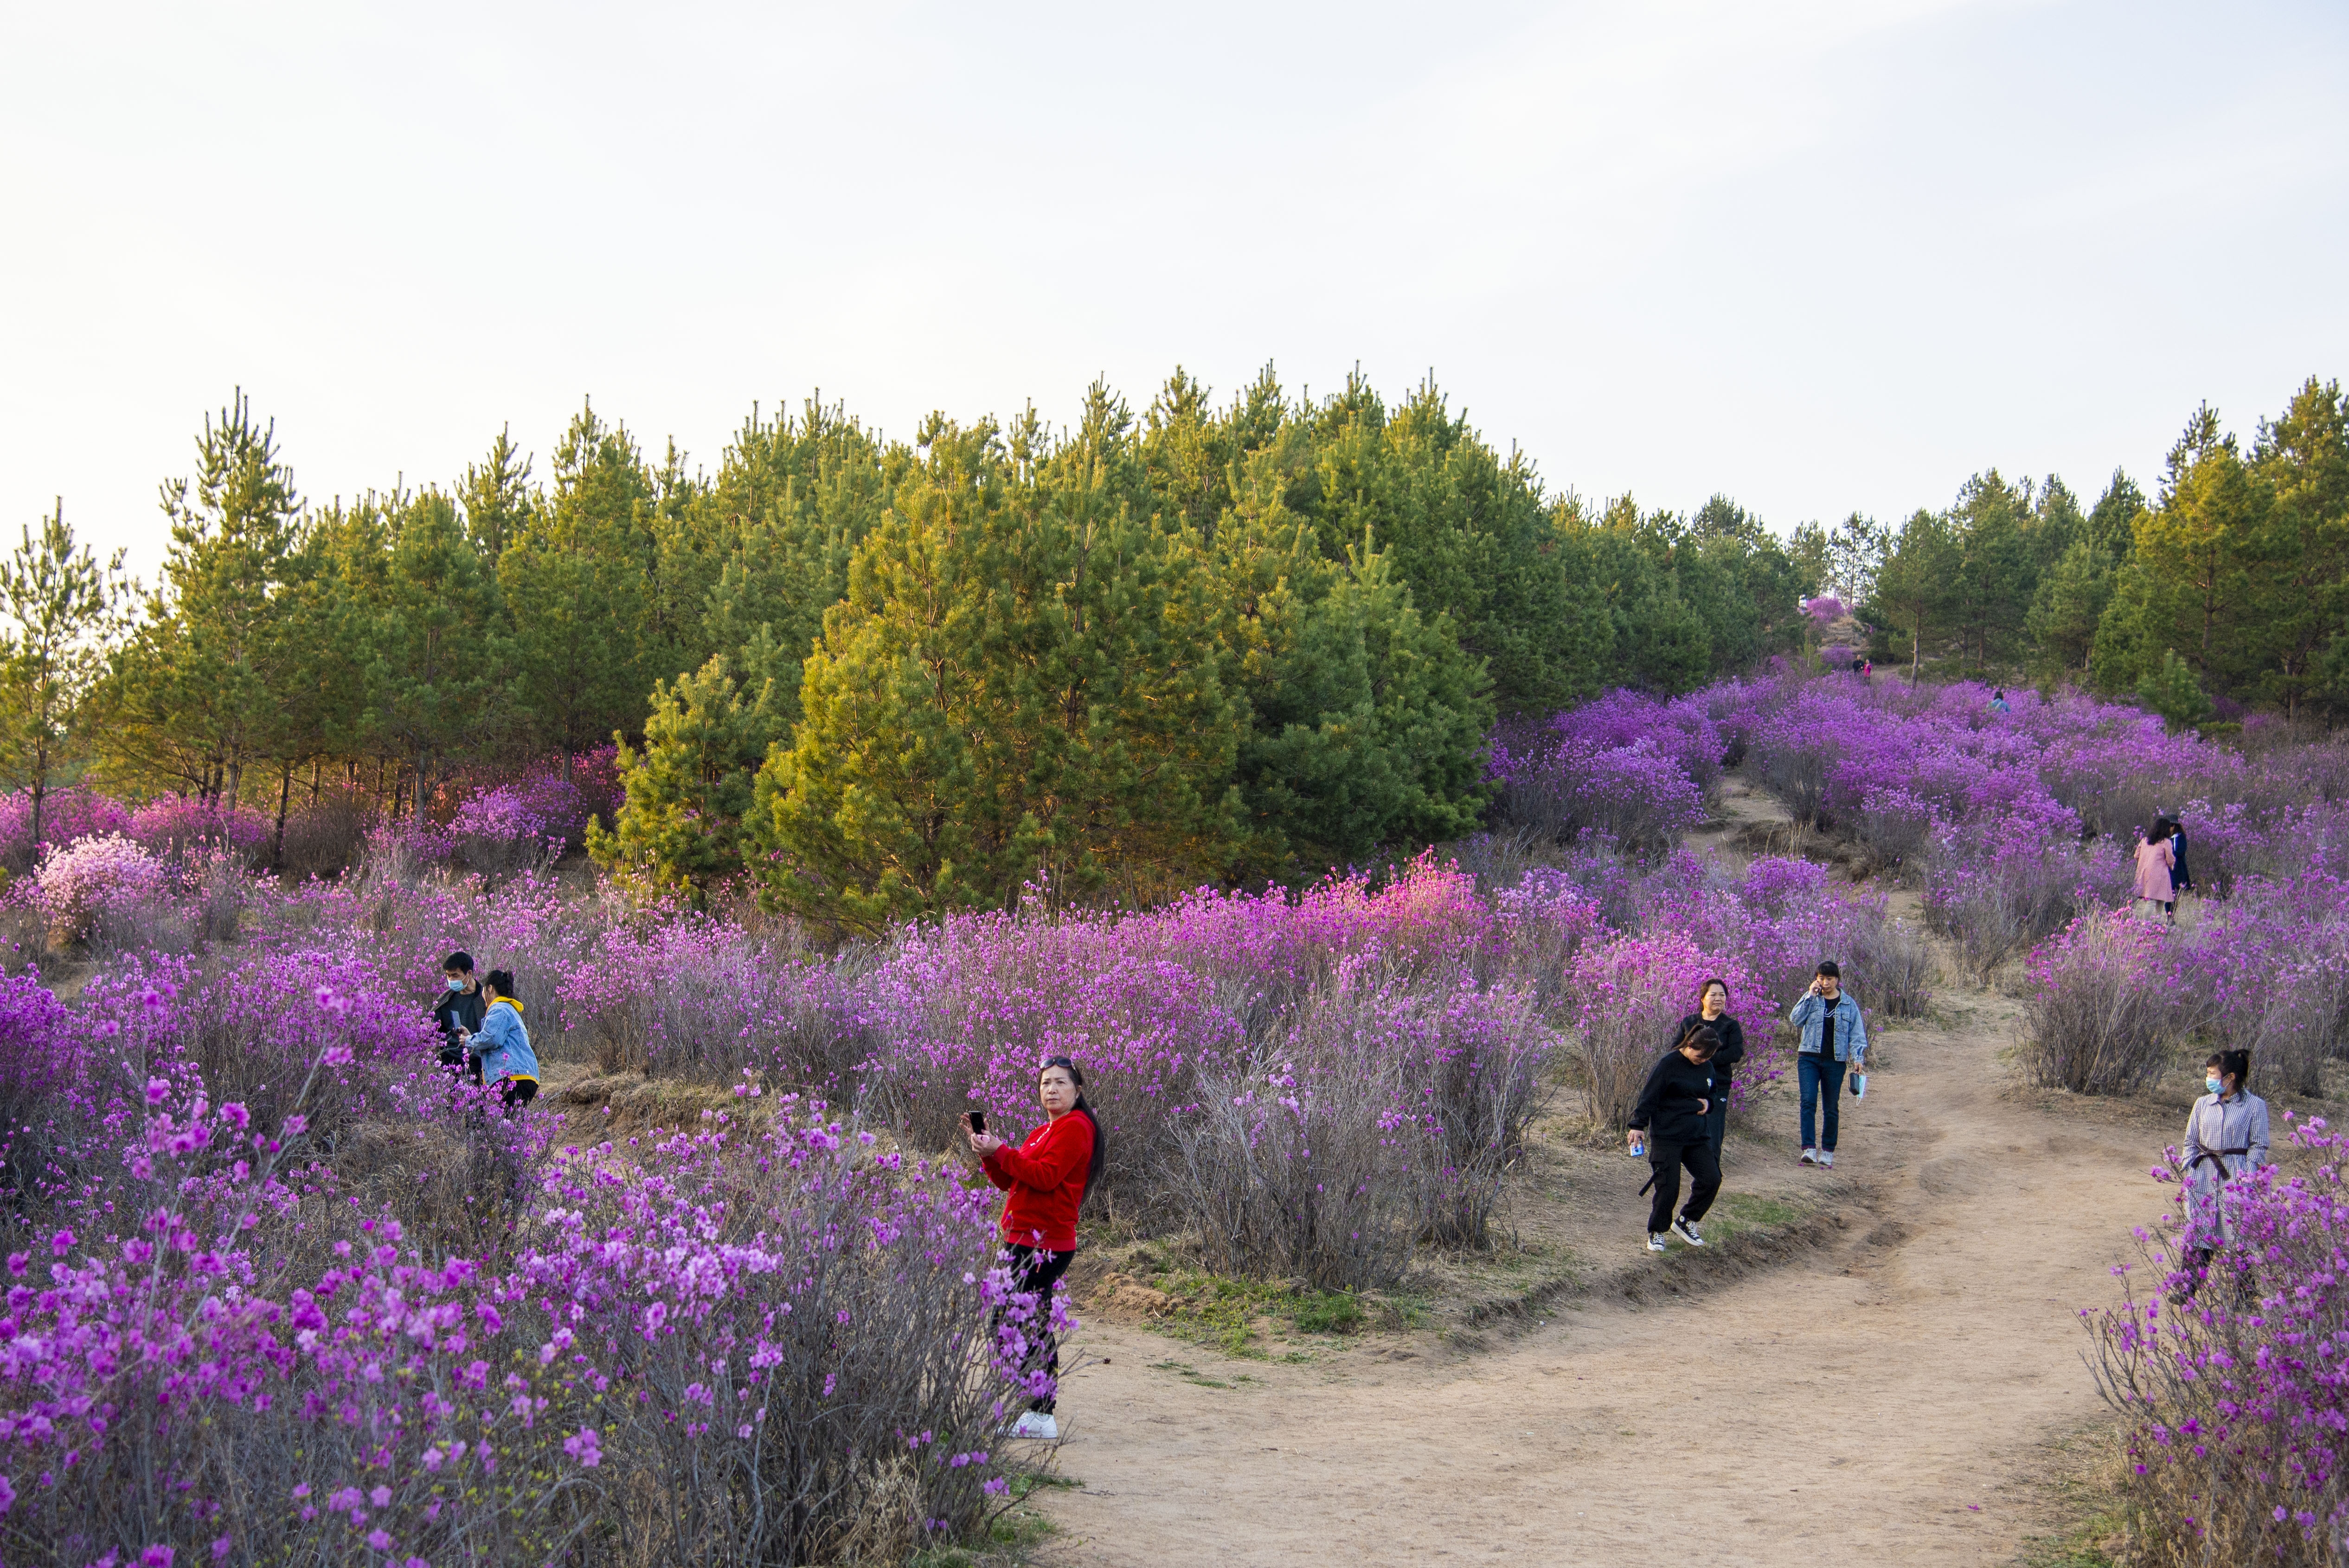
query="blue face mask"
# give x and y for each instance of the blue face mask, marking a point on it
(2213, 1085)
(455, 983)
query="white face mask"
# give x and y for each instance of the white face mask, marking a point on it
(2214, 1085)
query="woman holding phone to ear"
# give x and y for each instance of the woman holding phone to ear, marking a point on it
(1044, 1182)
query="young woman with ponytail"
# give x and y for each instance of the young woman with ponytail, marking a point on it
(1044, 1182)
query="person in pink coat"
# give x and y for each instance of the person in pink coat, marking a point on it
(2155, 861)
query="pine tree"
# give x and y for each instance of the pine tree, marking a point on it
(1022, 686)
(64, 612)
(680, 829)
(199, 687)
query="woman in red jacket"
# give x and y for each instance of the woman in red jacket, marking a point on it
(1045, 1181)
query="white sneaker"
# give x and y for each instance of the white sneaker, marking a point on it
(1827, 1156)
(1655, 1241)
(1689, 1233)
(1810, 1157)
(1038, 1424)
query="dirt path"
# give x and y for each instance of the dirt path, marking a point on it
(1885, 1400)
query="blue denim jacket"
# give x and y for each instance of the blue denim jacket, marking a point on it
(504, 1044)
(1810, 1015)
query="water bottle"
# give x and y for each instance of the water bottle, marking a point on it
(1639, 1143)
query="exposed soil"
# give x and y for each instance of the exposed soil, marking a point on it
(1887, 1393)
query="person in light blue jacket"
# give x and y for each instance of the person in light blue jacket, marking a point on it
(1834, 1039)
(501, 1045)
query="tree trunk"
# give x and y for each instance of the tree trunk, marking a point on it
(40, 794)
(277, 845)
(235, 781)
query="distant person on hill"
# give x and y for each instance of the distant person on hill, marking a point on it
(1669, 1115)
(1834, 1040)
(2226, 1136)
(500, 1047)
(1867, 669)
(1713, 1013)
(2181, 878)
(458, 1013)
(2154, 863)
(1998, 703)
(1044, 1182)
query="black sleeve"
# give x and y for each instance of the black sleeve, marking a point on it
(1644, 1112)
(1732, 1043)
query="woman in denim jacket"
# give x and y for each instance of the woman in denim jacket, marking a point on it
(502, 1045)
(1834, 1039)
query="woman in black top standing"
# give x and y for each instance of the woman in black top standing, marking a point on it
(1713, 1013)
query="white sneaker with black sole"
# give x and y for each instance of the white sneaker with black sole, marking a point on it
(1810, 1157)
(1689, 1233)
(1038, 1424)
(1827, 1157)
(1655, 1241)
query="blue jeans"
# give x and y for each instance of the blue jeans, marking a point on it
(1815, 1070)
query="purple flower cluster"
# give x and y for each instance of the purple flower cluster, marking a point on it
(1632, 768)
(766, 1306)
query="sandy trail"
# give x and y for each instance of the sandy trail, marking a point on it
(1884, 1400)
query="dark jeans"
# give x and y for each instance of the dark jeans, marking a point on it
(1819, 1072)
(1668, 1159)
(1716, 1124)
(1033, 1269)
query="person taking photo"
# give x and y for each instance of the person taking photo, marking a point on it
(1044, 1182)
(1834, 1040)
(1670, 1118)
(458, 1013)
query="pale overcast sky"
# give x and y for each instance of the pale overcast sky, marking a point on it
(1819, 257)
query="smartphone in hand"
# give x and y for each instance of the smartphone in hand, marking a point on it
(976, 1120)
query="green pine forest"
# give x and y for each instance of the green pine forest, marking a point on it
(1211, 641)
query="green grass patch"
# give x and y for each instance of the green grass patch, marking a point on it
(1741, 1212)
(1237, 1316)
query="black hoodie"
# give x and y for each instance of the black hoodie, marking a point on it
(1732, 1052)
(1668, 1105)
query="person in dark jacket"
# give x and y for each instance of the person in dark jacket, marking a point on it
(1713, 1013)
(1670, 1113)
(458, 1014)
(2181, 878)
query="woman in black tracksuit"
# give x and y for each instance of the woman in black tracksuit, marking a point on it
(1713, 1013)
(1671, 1110)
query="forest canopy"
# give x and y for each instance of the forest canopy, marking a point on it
(1205, 642)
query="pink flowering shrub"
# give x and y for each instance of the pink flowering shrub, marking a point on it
(65, 815)
(2108, 1003)
(1380, 1111)
(178, 827)
(515, 827)
(695, 997)
(2235, 1410)
(1632, 992)
(84, 882)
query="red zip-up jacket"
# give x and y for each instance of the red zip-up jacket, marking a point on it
(1045, 1177)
